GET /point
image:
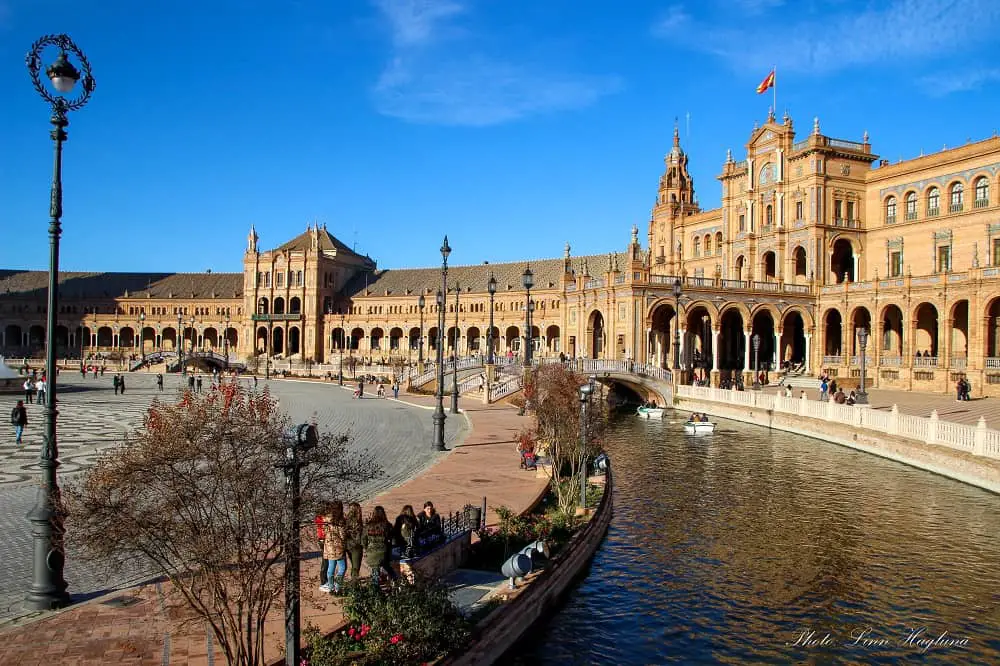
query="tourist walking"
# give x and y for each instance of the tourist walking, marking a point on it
(321, 538)
(353, 527)
(29, 390)
(159, 382)
(40, 389)
(198, 384)
(114, 381)
(333, 548)
(121, 384)
(19, 419)
(376, 539)
(395, 390)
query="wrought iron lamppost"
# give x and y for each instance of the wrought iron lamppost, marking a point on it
(343, 341)
(142, 324)
(48, 586)
(194, 335)
(755, 341)
(528, 280)
(420, 354)
(585, 392)
(491, 287)
(677, 324)
(439, 415)
(861, 397)
(179, 344)
(225, 341)
(454, 374)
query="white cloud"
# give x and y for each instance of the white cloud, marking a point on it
(940, 85)
(900, 30)
(673, 19)
(437, 75)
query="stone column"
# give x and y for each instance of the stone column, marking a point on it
(949, 339)
(808, 350)
(715, 350)
(746, 351)
(777, 350)
(680, 352)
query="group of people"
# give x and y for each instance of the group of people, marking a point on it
(35, 387)
(963, 389)
(359, 392)
(346, 537)
(698, 418)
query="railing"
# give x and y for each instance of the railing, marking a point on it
(891, 361)
(833, 360)
(993, 363)
(844, 143)
(700, 282)
(430, 369)
(596, 283)
(620, 279)
(471, 384)
(955, 208)
(595, 365)
(504, 388)
(740, 165)
(890, 219)
(799, 145)
(662, 279)
(285, 316)
(911, 216)
(933, 212)
(980, 203)
(925, 361)
(796, 288)
(958, 362)
(766, 286)
(735, 284)
(570, 287)
(977, 440)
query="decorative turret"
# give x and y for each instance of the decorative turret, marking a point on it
(675, 201)
(252, 239)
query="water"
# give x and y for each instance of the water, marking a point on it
(730, 549)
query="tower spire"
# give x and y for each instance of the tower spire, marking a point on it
(677, 134)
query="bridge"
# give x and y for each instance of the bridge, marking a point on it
(210, 358)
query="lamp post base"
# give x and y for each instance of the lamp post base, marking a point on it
(48, 587)
(439, 418)
(861, 398)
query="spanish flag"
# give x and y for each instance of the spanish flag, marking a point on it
(766, 84)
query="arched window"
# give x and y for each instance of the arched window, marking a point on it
(718, 242)
(911, 206)
(298, 279)
(957, 198)
(933, 202)
(708, 244)
(982, 192)
(890, 210)
(697, 247)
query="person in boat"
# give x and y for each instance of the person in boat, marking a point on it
(694, 418)
(704, 417)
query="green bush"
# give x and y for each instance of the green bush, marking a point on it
(409, 623)
(514, 532)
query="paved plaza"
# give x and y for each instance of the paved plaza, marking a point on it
(93, 418)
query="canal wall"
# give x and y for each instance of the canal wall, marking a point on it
(965, 466)
(529, 605)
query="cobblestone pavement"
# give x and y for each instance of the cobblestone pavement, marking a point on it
(93, 418)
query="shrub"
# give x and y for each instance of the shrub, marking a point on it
(410, 623)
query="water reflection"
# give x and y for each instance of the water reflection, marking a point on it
(732, 548)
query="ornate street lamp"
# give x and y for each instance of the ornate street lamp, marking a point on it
(142, 324)
(454, 374)
(677, 324)
(343, 341)
(585, 392)
(48, 586)
(439, 415)
(861, 397)
(420, 355)
(491, 287)
(528, 280)
(755, 341)
(179, 344)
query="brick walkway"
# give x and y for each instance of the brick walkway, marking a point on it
(147, 631)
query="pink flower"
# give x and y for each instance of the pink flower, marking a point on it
(350, 632)
(396, 639)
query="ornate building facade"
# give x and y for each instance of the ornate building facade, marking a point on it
(815, 239)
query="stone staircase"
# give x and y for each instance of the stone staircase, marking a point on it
(798, 382)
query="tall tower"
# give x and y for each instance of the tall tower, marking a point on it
(675, 200)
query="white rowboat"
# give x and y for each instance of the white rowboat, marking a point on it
(699, 428)
(650, 412)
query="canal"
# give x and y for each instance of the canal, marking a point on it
(756, 546)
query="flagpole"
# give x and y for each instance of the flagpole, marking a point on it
(774, 89)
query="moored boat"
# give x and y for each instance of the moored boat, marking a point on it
(650, 412)
(699, 428)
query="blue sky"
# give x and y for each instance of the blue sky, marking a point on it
(513, 126)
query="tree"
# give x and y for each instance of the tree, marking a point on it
(555, 398)
(198, 495)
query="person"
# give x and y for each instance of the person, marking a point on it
(788, 391)
(255, 382)
(121, 384)
(395, 390)
(320, 522)
(376, 539)
(833, 387)
(333, 547)
(114, 382)
(430, 530)
(190, 382)
(159, 382)
(197, 382)
(40, 389)
(353, 527)
(839, 397)
(19, 419)
(852, 398)
(823, 388)
(381, 390)
(960, 390)
(704, 417)
(29, 390)
(405, 530)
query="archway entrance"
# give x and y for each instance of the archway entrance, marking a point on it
(860, 319)
(595, 334)
(732, 343)
(959, 333)
(925, 342)
(768, 267)
(842, 261)
(278, 341)
(892, 332)
(832, 331)
(799, 264)
(660, 342)
(763, 327)
(698, 341)
(793, 339)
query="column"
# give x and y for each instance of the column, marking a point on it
(715, 349)
(746, 352)
(647, 356)
(857, 263)
(777, 351)
(680, 352)
(808, 350)
(949, 335)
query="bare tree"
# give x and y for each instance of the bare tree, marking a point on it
(197, 494)
(555, 399)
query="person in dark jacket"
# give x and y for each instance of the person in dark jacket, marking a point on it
(354, 526)
(376, 539)
(430, 530)
(405, 530)
(19, 419)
